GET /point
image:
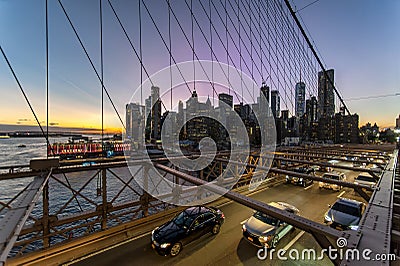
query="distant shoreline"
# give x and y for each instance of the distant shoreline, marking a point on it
(22, 131)
(39, 135)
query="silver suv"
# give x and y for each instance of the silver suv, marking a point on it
(365, 178)
(335, 176)
(263, 230)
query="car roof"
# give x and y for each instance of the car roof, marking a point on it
(196, 210)
(284, 206)
(333, 173)
(303, 169)
(349, 202)
(365, 174)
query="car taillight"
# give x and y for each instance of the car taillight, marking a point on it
(222, 216)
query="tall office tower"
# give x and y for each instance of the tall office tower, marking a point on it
(155, 113)
(300, 99)
(135, 123)
(128, 117)
(180, 107)
(275, 103)
(226, 98)
(311, 110)
(147, 113)
(285, 115)
(326, 96)
(264, 100)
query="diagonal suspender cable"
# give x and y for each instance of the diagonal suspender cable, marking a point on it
(315, 54)
(91, 62)
(25, 96)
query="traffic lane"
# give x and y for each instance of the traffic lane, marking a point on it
(246, 254)
(228, 243)
(229, 248)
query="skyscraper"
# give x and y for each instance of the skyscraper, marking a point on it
(398, 122)
(135, 123)
(300, 99)
(326, 96)
(155, 113)
(264, 100)
(275, 103)
(265, 91)
(226, 98)
(311, 110)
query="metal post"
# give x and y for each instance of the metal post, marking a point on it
(144, 199)
(45, 219)
(104, 197)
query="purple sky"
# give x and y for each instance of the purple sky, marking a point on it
(359, 39)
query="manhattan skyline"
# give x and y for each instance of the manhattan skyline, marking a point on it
(362, 51)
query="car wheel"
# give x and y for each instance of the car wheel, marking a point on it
(176, 249)
(215, 229)
(275, 241)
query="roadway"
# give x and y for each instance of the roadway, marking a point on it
(228, 247)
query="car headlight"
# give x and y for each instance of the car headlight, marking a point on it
(264, 239)
(301, 179)
(287, 177)
(165, 245)
(353, 227)
(327, 218)
(244, 227)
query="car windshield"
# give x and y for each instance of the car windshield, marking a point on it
(340, 207)
(335, 177)
(266, 218)
(300, 170)
(183, 219)
(365, 178)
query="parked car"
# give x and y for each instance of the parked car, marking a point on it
(187, 226)
(365, 178)
(361, 162)
(299, 180)
(316, 167)
(335, 176)
(263, 230)
(345, 214)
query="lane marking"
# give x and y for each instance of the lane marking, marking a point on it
(310, 186)
(294, 240)
(106, 249)
(250, 194)
(341, 194)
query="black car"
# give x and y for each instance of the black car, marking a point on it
(299, 180)
(345, 214)
(185, 227)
